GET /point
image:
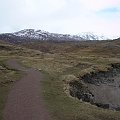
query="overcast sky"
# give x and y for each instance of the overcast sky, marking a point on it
(61, 16)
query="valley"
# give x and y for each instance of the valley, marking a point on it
(68, 66)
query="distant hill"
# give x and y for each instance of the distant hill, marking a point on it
(39, 35)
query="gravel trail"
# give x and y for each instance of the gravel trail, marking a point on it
(25, 100)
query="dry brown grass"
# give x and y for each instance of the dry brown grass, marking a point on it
(61, 62)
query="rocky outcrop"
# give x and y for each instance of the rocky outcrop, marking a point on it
(79, 90)
(101, 88)
(102, 77)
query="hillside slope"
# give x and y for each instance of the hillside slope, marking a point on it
(63, 63)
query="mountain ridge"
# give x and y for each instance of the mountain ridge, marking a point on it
(38, 35)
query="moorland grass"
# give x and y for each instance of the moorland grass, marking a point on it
(58, 60)
(60, 104)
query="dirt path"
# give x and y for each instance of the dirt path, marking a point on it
(25, 101)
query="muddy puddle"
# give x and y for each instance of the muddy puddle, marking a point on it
(101, 88)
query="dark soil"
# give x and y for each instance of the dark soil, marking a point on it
(25, 100)
(101, 88)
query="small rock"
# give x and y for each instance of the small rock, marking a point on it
(2, 68)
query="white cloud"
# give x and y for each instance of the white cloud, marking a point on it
(44, 6)
(97, 5)
(63, 16)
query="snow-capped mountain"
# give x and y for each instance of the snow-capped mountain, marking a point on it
(91, 36)
(39, 34)
(43, 35)
(31, 34)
